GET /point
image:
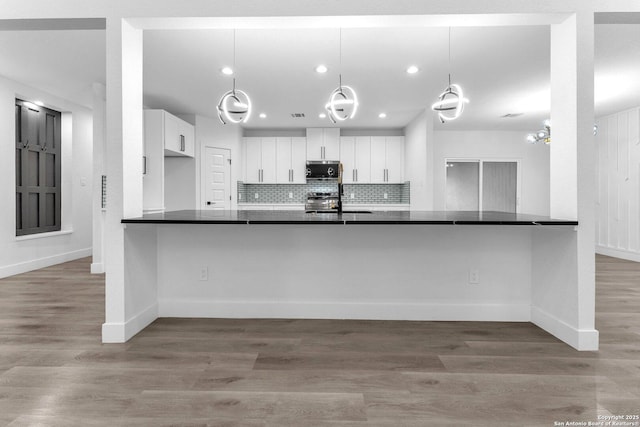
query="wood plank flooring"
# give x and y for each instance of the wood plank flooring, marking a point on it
(54, 371)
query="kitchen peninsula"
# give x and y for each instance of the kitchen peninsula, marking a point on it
(454, 266)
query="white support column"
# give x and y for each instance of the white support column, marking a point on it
(124, 165)
(563, 299)
(99, 163)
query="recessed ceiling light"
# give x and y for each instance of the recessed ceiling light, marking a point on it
(263, 116)
(227, 71)
(412, 69)
(382, 115)
(322, 115)
(321, 69)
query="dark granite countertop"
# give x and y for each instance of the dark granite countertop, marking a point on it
(384, 217)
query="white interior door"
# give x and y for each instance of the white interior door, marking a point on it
(217, 179)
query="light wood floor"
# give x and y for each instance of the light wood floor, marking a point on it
(55, 372)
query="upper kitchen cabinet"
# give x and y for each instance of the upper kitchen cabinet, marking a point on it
(176, 136)
(260, 160)
(167, 182)
(355, 155)
(323, 143)
(387, 159)
(291, 160)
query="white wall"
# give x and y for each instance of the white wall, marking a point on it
(418, 158)
(22, 254)
(211, 133)
(618, 185)
(534, 162)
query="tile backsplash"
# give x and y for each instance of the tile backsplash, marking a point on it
(362, 193)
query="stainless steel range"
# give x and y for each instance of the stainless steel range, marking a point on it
(322, 202)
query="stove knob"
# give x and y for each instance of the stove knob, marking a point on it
(308, 172)
(330, 171)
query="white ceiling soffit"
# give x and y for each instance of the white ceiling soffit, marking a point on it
(52, 24)
(369, 21)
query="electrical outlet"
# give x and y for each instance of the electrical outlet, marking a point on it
(257, 196)
(352, 196)
(474, 276)
(386, 195)
(291, 195)
(204, 274)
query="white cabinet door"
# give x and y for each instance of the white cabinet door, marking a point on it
(188, 133)
(395, 159)
(323, 143)
(253, 160)
(378, 159)
(179, 137)
(331, 141)
(315, 143)
(363, 159)
(299, 159)
(171, 134)
(269, 160)
(348, 159)
(153, 161)
(283, 160)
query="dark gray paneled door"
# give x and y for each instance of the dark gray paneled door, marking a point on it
(38, 169)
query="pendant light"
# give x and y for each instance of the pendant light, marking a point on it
(450, 103)
(235, 105)
(343, 101)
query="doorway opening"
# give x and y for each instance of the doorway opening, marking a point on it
(482, 185)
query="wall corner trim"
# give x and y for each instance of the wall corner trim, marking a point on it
(580, 339)
(122, 332)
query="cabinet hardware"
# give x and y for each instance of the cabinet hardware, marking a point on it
(211, 203)
(356, 175)
(182, 144)
(144, 165)
(353, 175)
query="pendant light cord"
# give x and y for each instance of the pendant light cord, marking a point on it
(234, 50)
(449, 56)
(340, 59)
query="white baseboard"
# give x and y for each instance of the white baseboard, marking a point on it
(618, 253)
(580, 339)
(97, 268)
(35, 264)
(122, 332)
(342, 310)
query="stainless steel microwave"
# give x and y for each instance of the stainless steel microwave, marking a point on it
(323, 170)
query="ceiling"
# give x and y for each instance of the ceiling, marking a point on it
(503, 70)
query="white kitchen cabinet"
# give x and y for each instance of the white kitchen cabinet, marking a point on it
(323, 143)
(291, 160)
(165, 135)
(387, 159)
(260, 160)
(355, 155)
(176, 136)
(348, 159)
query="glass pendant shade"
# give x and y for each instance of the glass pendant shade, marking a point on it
(234, 106)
